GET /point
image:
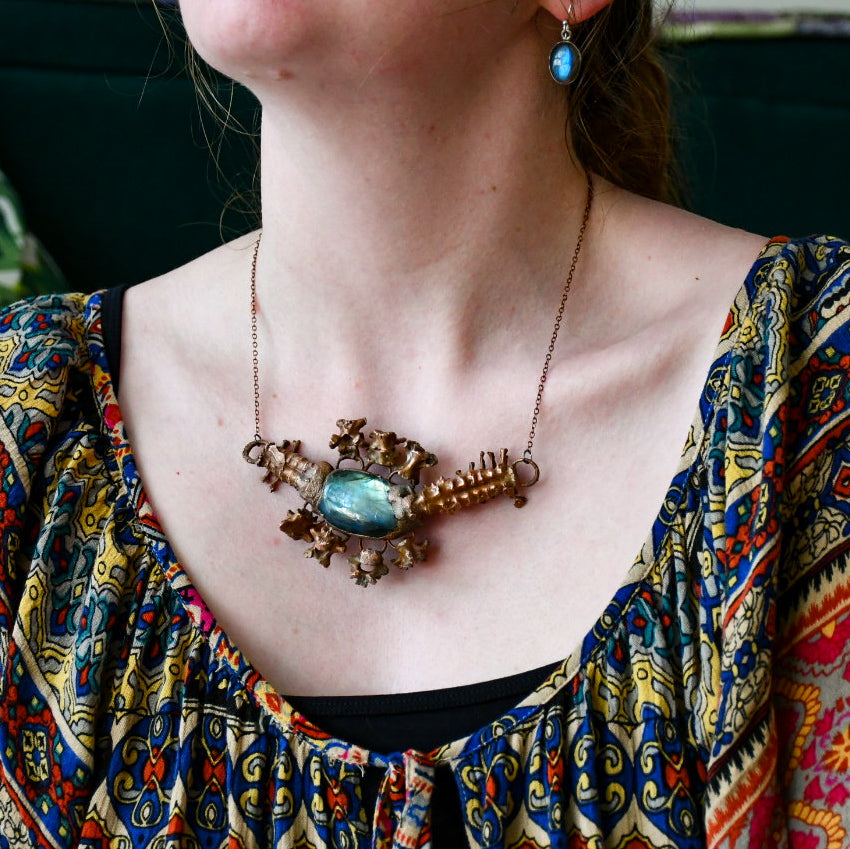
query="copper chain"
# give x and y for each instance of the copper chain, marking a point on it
(255, 360)
(256, 356)
(558, 319)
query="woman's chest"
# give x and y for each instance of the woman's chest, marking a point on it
(501, 589)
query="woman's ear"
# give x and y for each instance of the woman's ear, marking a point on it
(581, 9)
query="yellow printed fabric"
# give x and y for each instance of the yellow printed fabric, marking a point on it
(709, 706)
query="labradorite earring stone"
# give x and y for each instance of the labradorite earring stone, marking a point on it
(564, 62)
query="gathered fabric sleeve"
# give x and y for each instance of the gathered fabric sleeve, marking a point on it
(779, 772)
(39, 344)
(45, 770)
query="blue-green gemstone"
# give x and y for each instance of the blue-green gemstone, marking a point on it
(564, 61)
(359, 503)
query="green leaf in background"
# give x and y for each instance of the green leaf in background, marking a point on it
(25, 266)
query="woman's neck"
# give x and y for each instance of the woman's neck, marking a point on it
(416, 209)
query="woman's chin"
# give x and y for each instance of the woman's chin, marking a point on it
(253, 39)
(333, 45)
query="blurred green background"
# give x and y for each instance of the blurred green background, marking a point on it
(103, 140)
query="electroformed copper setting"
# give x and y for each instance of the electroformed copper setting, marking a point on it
(373, 495)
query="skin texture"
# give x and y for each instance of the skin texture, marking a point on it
(419, 211)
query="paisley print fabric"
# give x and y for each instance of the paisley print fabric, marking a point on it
(710, 704)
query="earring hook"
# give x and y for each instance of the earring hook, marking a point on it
(566, 32)
(565, 58)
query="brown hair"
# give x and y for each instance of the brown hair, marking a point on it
(619, 106)
(225, 120)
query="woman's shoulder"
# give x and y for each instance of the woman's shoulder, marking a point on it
(207, 277)
(680, 240)
(43, 332)
(810, 276)
(693, 264)
(41, 338)
(44, 341)
(791, 319)
(786, 391)
(792, 315)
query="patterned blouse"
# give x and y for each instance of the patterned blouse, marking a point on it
(710, 704)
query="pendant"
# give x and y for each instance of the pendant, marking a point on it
(377, 500)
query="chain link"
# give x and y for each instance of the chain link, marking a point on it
(256, 357)
(558, 319)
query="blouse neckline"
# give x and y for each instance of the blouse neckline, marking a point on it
(276, 706)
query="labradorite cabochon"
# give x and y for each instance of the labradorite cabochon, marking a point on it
(359, 503)
(564, 61)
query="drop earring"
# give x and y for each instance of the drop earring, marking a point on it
(565, 58)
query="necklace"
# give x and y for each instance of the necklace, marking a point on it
(380, 510)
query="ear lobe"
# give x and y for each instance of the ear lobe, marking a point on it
(581, 11)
